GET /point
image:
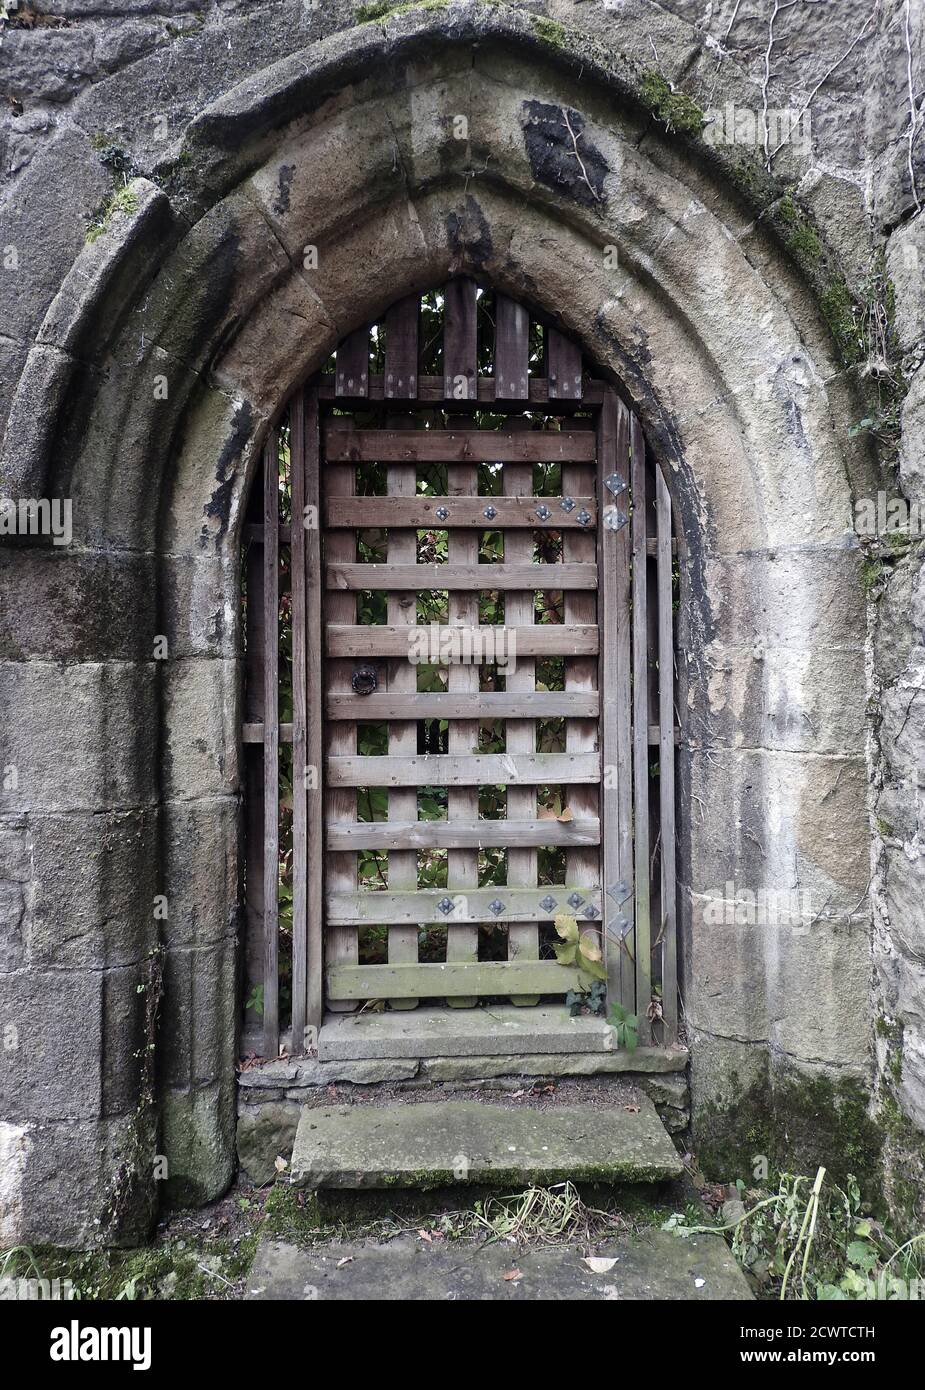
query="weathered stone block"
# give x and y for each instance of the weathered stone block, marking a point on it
(95, 878)
(199, 1016)
(201, 710)
(80, 737)
(198, 1139)
(202, 871)
(61, 606)
(51, 1041)
(264, 1135)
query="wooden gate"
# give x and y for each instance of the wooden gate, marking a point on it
(473, 620)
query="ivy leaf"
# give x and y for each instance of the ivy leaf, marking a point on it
(565, 953)
(590, 947)
(567, 927)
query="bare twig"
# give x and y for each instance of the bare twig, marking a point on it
(584, 173)
(913, 112)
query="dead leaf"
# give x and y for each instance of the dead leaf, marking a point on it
(281, 1164)
(515, 1095)
(512, 1275)
(426, 1235)
(632, 1109)
(565, 816)
(348, 1259)
(598, 1264)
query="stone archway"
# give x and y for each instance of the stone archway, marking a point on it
(307, 201)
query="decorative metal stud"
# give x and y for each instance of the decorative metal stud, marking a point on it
(497, 907)
(567, 504)
(614, 519)
(583, 517)
(591, 912)
(543, 513)
(547, 903)
(446, 906)
(490, 513)
(442, 513)
(616, 484)
(623, 926)
(619, 891)
(575, 900)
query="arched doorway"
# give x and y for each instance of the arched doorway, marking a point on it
(455, 700)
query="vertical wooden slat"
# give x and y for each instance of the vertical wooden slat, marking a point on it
(314, 905)
(253, 753)
(669, 924)
(583, 865)
(460, 340)
(271, 748)
(462, 942)
(351, 377)
(520, 734)
(616, 726)
(402, 329)
(563, 367)
(512, 350)
(461, 382)
(341, 943)
(299, 723)
(640, 732)
(401, 481)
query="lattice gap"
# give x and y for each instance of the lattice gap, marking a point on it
(375, 874)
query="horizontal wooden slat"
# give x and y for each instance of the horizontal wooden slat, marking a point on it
(468, 905)
(494, 513)
(462, 769)
(494, 704)
(456, 577)
(461, 446)
(253, 535)
(431, 389)
(441, 834)
(252, 733)
(485, 643)
(451, 979)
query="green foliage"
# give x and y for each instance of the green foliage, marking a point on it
(676, 111)
(811, 1240)
(123, 200)
(581, 948)
(550, 30)
(626, 1027)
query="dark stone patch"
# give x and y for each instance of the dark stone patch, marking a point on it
(219, 505)
(560, 157)
(470, 235)
(284, 184)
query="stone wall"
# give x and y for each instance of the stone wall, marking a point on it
(154, 314)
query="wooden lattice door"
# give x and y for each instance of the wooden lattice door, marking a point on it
(461, 586)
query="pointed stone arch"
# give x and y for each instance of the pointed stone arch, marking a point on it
(655, 267)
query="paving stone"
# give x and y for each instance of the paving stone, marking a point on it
(652, 1265)
(432, 1144)
(430, 1032)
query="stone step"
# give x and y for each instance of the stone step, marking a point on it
(651, 1265)
(427, 1145)
(433, 1031)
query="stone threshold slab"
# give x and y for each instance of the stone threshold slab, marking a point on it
(653, 1265)
(432, 1031)
(438, 1144)
(293, 1073)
